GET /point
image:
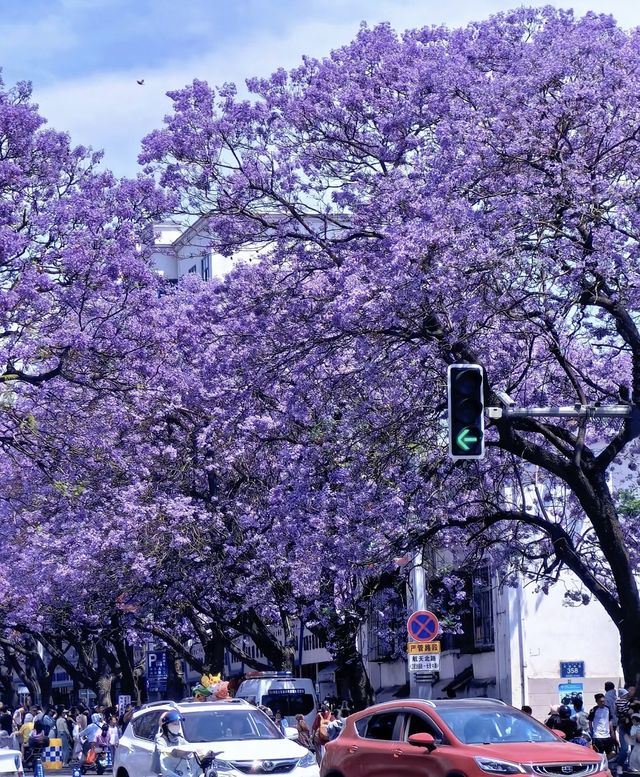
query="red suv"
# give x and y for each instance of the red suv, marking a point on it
(453, 738)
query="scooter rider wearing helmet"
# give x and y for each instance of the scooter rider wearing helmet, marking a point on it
(173, 756)
(567, 723)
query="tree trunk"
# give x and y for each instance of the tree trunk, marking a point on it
(103, 689)
(34, 690)
(9, 694)
(176, 681)
(128, 678)
(214, 656)
(353, 681)
(279, 656)
(106, 675)
(630, 649)
(38, 677)
(77, 686)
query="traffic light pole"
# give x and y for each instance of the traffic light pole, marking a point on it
(419, 688)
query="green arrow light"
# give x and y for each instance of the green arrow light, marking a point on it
(466, 438)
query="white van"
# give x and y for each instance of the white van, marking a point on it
(281, 692)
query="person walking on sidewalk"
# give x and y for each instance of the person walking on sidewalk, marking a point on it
(634, 742)
(624, 708)
(114, 737)
(601, 727)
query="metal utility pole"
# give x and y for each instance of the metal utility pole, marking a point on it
(420, 687)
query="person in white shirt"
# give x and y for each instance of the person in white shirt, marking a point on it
(114, 737)
(601, 726)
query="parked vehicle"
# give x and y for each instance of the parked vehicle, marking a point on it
(281, 692)
(245, 740)
(11, 763)
(461, 737)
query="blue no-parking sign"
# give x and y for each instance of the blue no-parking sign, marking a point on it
(423, 626)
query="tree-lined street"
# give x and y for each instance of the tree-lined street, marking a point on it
(208, 465)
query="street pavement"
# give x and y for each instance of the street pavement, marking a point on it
(64, 772)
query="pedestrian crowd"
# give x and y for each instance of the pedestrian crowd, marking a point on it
(611, 727)
(29, 728)
(327, 725)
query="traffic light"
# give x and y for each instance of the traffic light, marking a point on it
(466, 411)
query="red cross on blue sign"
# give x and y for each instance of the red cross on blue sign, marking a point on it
(423, 626)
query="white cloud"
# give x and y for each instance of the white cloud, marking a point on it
(52, 33)
(111, 111)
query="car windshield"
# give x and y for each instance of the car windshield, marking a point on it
(289, 702)
(223, 725)
(474, 726)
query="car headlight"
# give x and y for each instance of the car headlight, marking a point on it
(604, 762)
(223, 766)
(308, 759)
(493, 766)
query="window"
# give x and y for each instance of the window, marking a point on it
(473, 726)
(418, 724)
(146, 726)
(289, 703)
(386, 618)
(482, 603)
(361, 725)
(205, 267)
(220, 725)
(193, 268)
(382, 726)
(311, 642)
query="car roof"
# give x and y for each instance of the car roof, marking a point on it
(188, 705)
(479, 703)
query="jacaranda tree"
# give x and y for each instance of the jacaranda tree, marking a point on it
(440, 196)
(78, 343)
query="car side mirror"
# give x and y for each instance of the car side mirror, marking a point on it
(423, 740)
(559, 733)
(290, 732)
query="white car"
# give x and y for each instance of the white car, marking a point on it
(246, 740)
(10, 763)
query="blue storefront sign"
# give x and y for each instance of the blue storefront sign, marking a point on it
(157, 670)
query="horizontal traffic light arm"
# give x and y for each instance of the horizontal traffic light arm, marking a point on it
(562, 411)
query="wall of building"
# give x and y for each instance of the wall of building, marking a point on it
(555, 633)
(311, 653)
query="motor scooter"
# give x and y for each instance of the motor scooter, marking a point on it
(95, 758)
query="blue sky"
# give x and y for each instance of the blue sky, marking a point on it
(84, 56)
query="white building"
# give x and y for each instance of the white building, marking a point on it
(520, 645)
(538, 639)
(180, 251)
